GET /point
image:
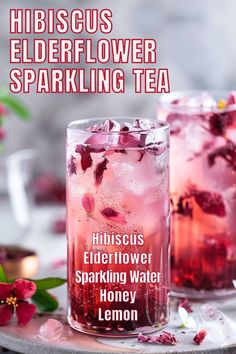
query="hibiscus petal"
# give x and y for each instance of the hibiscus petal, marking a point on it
(25, 312)
(113, 215)
(24, 289)
(5, 290)
(5, 314)
(99, 170)
(88, 203)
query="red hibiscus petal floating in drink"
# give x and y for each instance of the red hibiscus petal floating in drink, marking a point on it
(219, 123)
(88, 203)
(200, 336)
(113, 215)
(72, 165)
(210, 202)
(162, 338)
(129, 140)
(226, 152)
(86, 159)
(98, 173)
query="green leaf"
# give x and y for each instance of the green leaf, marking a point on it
(3, 276)
(44, 301)
(49, 283)
(15, 105)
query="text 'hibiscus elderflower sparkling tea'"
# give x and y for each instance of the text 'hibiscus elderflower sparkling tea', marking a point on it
(203, 191)
(118, 225)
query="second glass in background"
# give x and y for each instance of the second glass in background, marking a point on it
(203, 191)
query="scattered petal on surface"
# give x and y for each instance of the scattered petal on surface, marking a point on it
(186, 305)
(200, 336)
(162, 338)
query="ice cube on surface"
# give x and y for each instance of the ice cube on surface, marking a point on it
(51, 330)
(222, 329)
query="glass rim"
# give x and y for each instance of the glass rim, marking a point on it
(74, 125)
(165, 99)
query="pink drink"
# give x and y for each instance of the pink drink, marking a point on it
(203, 192)
(118, 226)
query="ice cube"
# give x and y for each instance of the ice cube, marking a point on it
(51, 330)
(221, 328)
(203, 100)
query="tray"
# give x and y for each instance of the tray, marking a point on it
(25, 339)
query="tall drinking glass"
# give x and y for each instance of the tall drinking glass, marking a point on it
(118, 225)
(203, 191)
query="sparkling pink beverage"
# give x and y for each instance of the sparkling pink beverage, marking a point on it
(203, 191)
(118, 225)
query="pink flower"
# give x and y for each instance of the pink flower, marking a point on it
(13, 298)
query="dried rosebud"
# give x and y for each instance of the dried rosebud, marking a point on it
(99, 170)
(200, 336)
(88, 203)
(162, 338)
(113, 215)
(186, 305)
(72, 165)
(210, 202)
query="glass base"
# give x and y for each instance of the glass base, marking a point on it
(202, 294)
(103, 333)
